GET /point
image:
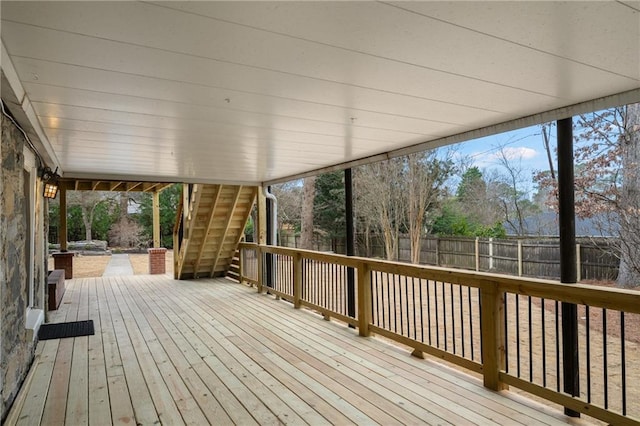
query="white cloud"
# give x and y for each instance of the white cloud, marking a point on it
(517, 153)
(513, 154)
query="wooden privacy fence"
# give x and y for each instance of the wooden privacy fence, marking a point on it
(530, 257)
(508, 329)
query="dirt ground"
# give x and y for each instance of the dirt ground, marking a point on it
(94, 266)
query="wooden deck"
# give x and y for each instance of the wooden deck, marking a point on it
(216, 352)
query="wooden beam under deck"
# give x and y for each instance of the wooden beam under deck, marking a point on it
(106, 185)
(177, 352)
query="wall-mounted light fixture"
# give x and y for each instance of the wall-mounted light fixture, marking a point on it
(50, 180)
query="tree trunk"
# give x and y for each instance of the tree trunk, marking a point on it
(124, 204)
(87, 219)
(308, 197)
(629, 209)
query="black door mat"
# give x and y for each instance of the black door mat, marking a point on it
(66, 329)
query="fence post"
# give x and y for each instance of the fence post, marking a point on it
(364, 300)
(490, 254)
(578, 264)
(477, 252)
(519, 258)
(297, 280)
(493, 356)
(260, 268)
(437, 251)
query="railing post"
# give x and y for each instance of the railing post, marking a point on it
(240, 261)
(364, 300)
(260, 268)
(297, 280)
(578, 264)
(493, 356)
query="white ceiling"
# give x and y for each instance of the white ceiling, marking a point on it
(249, 92)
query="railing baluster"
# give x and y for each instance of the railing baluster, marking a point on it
(435, 306)
(453, 318)
(604, 359)
(332, 289)
(400, 304)
(544, 344)
(395, 303)
(376, 296)
(530, 340)
(406, 294)
(623, 365)
(471, 323)
(428, 286)
(444, 316)
(413, 296)
(388, 299)
(558, 372)
(461, 319)
(481, 328)
(588, 348)
(517, 309)
(421, 311)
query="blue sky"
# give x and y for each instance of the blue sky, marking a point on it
(523, 145)
(524, 149)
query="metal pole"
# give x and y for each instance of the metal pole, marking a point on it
(568, 257)
(351, 288)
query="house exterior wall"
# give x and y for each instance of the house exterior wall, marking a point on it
(22, 261)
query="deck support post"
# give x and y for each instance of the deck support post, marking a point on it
(364, 300)
(493, 335)
(297, 280)
(62, 232)
(156, 219)
(348, 196)
(568, 258)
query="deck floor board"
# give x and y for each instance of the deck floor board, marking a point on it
(213, 351)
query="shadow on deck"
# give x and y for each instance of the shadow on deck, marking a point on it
(213, 351)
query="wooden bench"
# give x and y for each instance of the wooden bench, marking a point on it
(55, 283)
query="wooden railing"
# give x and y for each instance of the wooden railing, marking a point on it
(507, 329)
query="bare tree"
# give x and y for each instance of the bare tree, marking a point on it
(509, 190)
(379, 196)
(426, 174)
(289, 196)
(306, 226)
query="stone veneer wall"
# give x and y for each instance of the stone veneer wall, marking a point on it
(16, 346)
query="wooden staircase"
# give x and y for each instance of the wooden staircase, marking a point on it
(209, 229)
